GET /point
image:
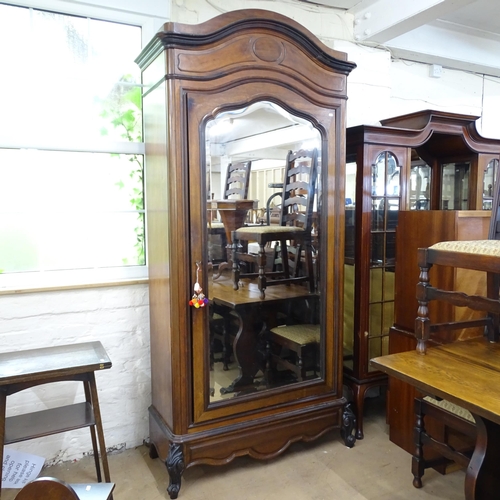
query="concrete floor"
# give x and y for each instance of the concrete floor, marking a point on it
(374, 469)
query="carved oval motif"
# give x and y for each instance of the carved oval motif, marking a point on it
(268, 50)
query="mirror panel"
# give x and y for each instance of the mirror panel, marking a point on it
(247, 350)
(490, 176)
(420, 186)
(455, 186)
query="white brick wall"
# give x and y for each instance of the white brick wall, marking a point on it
(118, 317)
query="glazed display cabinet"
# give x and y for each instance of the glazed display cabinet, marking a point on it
(249, 85)
(419, 165)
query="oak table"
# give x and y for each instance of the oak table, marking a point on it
(250, 309)
(233, 214)
(466, 373)
(21, 370)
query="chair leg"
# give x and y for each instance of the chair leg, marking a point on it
(284, 259)
(309, 265)
(236, 266)
(261, 258)
(417, 461)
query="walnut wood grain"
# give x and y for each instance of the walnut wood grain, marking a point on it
(191, 74)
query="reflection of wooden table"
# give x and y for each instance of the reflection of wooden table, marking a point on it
(21, 370)
(252, 312)
(233, 214)
(466, 373)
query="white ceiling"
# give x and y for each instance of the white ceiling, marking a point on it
(462, 34)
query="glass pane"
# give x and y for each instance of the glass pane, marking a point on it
(349, 271)
(377, 253)
(70, 210)
(389, 274)
(388, 317)
(392, 181)
(378, 214)
(350, 213)
(250, 336)
(375, 347)
(455, 186)
(376, 284)
(420, 187)
(375, 321)
(378, 176)
(378, 346)
(390, 248)
(490, 176)
(74, 77)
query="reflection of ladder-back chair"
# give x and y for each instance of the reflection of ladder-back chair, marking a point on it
(476, 255)
(295, 226)
(235, 187)
(49, 488)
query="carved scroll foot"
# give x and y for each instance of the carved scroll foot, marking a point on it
(175, 468)
(348, 429)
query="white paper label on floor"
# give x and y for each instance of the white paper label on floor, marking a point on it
(18, 468)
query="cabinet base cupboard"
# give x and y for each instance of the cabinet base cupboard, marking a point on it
(248, 85)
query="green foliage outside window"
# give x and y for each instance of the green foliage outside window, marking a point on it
(123, 109)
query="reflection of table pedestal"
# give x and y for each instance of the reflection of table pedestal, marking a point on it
(233, 214)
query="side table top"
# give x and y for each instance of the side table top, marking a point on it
(46, 362)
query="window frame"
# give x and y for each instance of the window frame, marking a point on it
(149, 19)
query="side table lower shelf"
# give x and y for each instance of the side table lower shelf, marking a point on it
(47, 422)
(22, 370)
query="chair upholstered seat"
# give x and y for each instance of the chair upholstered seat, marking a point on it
(450, 407)
(489, 248)
(216, 225)
(255, 230)
(301, 339)
(300, 334)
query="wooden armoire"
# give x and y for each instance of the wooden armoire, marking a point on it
(247, 76)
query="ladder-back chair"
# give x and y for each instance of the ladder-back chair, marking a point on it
(482, 255)
(293, 232)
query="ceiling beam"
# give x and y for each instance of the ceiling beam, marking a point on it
(463, 51)
(385, 20)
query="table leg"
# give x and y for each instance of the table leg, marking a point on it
(482, 480)
(245, 349)
(88, 398)
(3, 407)
(98, 423)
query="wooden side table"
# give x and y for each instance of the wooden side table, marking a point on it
(21, 370)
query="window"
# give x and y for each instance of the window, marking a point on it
(71, 156)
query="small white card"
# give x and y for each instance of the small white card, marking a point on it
(19, 468)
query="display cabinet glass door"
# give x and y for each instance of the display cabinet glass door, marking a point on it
(385, 203)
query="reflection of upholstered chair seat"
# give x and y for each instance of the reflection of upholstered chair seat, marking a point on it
(292, 237)
(49, 488)
(295, 348)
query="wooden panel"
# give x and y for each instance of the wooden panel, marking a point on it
(421, 229)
